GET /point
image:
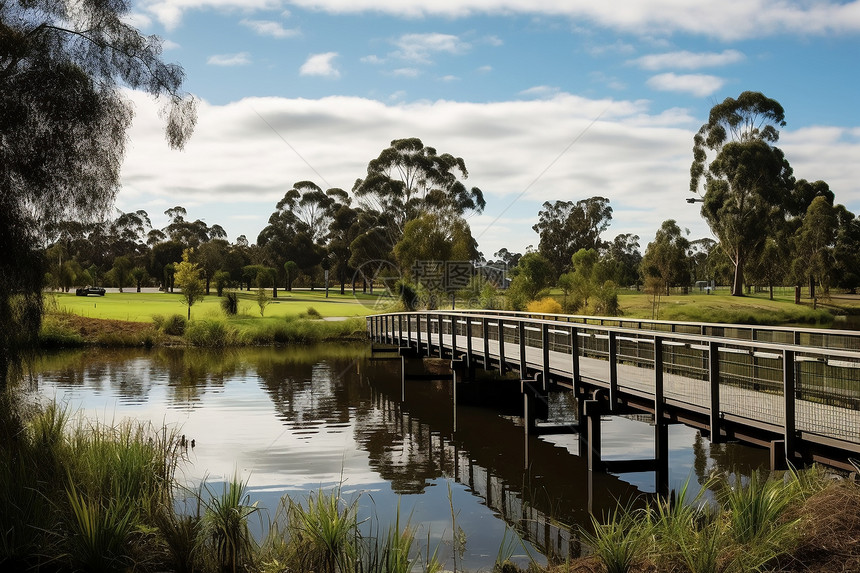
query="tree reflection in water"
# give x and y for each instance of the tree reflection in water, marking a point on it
(299, 418)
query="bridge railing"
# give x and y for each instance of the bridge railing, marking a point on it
(786, 388)
(818, 337)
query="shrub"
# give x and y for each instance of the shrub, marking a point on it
(173, 325)
(546, 305)
(313, 313)
(230, 303)
(210, 332)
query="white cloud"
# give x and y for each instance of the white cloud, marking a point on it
(449, 78)
(237, 165)
(700, 85)
(269, 28)
(540, 92)
(320, 65)
(521, 153)
(138, 20)
(372, 59)
(240, 59)
(167, 45)
(485, 69)
(406, 72)
(419, 47)
(730, 19)
(685, 60)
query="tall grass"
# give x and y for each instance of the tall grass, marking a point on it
(213, 333)
(224, 527)
(100, 531)
(620, 542)
(325, 533)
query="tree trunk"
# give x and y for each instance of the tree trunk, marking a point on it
(738, 284)
(812, 287)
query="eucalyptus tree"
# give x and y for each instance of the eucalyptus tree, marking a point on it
(814, 242)
(622, 259)
(63, 120)
(748, 182)
(408, 179)
(566, 227)
(664, 264)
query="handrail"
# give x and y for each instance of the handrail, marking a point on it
(815, 337)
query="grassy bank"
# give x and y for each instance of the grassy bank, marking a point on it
(132, 306)
(721, 307)
(81, 496)
(153, 319)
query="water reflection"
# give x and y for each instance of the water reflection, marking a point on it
(294, 420)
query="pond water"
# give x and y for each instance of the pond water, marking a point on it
(300, 419)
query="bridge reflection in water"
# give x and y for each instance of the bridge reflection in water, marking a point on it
(541, 489)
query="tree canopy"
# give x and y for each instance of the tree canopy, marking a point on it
(748, 182)
(62, 130)
(566, 227)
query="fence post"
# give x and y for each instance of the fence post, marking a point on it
(501, 346)
(485, 334)
(574, 359)
(788, 390)
(409, 330)
(441, 340)
(418, 331)
(521, 331)
(544, 344)
(399, 330)
(429, 335)
(469, 344)
(613, 372)
(714, 380)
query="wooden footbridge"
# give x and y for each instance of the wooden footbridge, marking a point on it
(793, 390)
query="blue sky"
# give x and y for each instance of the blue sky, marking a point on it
(544, 100)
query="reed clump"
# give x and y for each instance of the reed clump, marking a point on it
(797, 521)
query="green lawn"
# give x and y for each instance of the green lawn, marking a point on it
(141, 307)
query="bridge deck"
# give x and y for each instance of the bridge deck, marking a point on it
(822, 405)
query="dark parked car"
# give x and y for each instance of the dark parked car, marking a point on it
(86, 291)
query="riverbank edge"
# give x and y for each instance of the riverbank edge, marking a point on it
(68, 330)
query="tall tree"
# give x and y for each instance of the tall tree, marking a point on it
(623, 258)
(62, 132)
(566, 227)
(748, 182)
(409, 178)
(665, 260)
(814, 245)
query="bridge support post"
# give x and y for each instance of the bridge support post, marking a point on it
(592, 410)
(470, 361)
(534, 402)
(778, 459)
